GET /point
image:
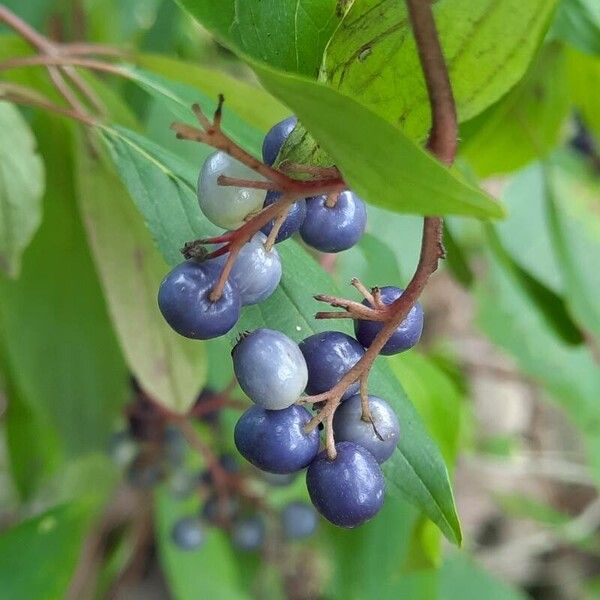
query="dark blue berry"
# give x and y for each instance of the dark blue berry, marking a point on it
(188, 533)
(336, 228)
(183, 299)
(406, 335)
(275, 440)
(248, 534)
(292, 222)
(379, 437)
(349, 490)
(329, 356)
(275, 138)
(298, 520)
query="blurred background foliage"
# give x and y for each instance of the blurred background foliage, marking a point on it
(507, 382)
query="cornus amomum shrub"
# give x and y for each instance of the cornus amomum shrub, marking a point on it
(256, 297)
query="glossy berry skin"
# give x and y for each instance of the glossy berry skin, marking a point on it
(227, 206)
(298, 520)
(275, 138)
(337, 228)
(270, 368)
(292, 222)
(183, 299)
(188, 533)
(275, 440)
(329, 356)
(248, 534)
(256, 271)
(407, 334)
(379, 437)
(349, 490)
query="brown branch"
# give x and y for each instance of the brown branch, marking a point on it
(442, 144)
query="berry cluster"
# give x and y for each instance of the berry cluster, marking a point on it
(278, 434)
(153, 450)
(329, 225)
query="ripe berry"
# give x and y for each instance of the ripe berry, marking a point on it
(275, 440)
(336, 228)
(379, 437)
(183, 299)
(188, 533)
(275, 138)
(407, 334)
(329, 356)
(270, 368)
(298, 520)
(349, 490)
(256, 271)
(292, 222)
(227, 206)
(248, 533)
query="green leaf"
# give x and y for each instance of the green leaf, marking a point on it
(372, 55)
(208, 573)
(436, 398)
(525, 124)
(39, 556)
(578, 23)
(288, 34)
(54, 329)
(462, 579)
(584, 75)
(250, 102)
(417, 469)
(378, 161)
(170, 368)
(573, 203)
(569, 374)
(21, 188)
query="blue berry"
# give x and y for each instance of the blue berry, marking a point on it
(121, 448)
(256, 271)
(275, 440)
(248, 534)
(188, 533)
(336, 228)
(292, 222)
(329, 356)
(275, 138)
(298, 520)
(349, 490)
(227, 206)
(379, 437)
(183, 299)
(406, 335)
(182, 483)
(270, 368)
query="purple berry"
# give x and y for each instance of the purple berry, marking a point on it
(329, 356)
(183, 299)
(188, 533)
(336, 228)
(349, 490)
(248, 534)
(270, 368)
(275, 440)
(379, 437)
(298, 520)
(407, 334)
(292, 221)
(275, 139)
